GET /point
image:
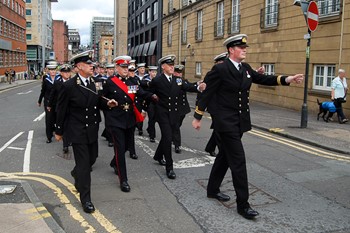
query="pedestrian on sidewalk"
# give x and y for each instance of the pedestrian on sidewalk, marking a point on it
(8, 76)
(227, 99)
(338, 94)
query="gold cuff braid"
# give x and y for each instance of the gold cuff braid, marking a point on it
(279, 79)
(199, 111)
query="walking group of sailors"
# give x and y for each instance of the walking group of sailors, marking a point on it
(127, 94)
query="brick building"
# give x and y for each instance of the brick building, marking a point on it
(194, 30)
(60, 41)
(12, 38)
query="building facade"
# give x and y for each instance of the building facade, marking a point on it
(145, 30)
(106, 48)
(12, 38)
(73, 41)
(60, 41)
(195, 32)
(121, 27)
(97, 27)
(39, 33)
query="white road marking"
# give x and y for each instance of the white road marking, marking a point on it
(9, 142)
(26, 160)
(15, 148)
(40, 117)
(200, 161)
(24, 93)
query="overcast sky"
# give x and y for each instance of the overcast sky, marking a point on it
(78, 14)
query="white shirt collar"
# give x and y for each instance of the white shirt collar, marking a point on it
(235, 63)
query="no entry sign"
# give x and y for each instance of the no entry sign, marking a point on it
(312, 16)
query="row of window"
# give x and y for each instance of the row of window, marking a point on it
(12, 58)
(144, 18)
(136, 5)
(12, 4)
(268, 18)
(11, 30)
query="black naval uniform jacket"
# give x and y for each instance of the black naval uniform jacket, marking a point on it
(46, 87)
(79, 111)
(123, 115)
(184, 105)
(227, 95)
(57, 86)
(167, 109)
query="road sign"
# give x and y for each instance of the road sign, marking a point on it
(312, 16)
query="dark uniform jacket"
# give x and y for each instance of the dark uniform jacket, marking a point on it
(227, 95)
(123, 115)
(184, 105)
(46, 87)
(55, 90)
(80, 109)
(169, 97)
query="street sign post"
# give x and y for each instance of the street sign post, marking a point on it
(311, 17)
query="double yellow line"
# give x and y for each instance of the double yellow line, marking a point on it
(74, 212)
(300, 146)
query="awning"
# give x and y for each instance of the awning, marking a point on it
(131, 51)
(152, 48)
(135, 51)
(139, 53)
(145, 49)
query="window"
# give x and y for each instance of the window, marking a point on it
(198, 68)
(328, 7)
(170, 33)
(185, 3)
(29, 36)
(106, 52)
(28, 12)
(148, 15)
(219, 24)
(184, 30)
(29, 24)
(235, 18)
(142, 18)
(0, 26)
(170, 6)
(323, 76)
(269, 69)
(155, 11)
(28, 1)
(271, 13)
(199, 29)
(1, 60)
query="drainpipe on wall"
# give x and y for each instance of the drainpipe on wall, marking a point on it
(180, 35)
(341, 36)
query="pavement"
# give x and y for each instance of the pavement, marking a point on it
(22, 211)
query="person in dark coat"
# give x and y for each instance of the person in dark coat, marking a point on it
(122, 119)
(227, 99)
(168, 87)
(46, 87)
(78, 117)
(140, 74)
(65, 70)
(184, 108)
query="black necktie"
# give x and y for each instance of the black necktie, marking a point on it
(87, 82)
(170, 79)
(240, 68)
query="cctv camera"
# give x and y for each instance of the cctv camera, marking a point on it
(188, 46)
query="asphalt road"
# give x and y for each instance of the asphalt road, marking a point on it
(295, 187)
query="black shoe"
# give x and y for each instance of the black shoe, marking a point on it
(65, 149)
(219, 196)
(134, 156)
(48, 141)
(114, 166)
(248, 213)
(140, 132)
(124, 186)
(110, 144)
(177, 150)
(171, 174)
(152, 140)
(88, 207)
(161, 161)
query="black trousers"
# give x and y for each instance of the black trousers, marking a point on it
(139, 126)
(177, 131)
(130, 142)
(164, 146)
(120, 137)
(50, 120)
(211, 145)
(85, 156)
(151, 128)
(231, 155)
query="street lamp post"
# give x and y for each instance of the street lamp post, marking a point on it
(304, 112)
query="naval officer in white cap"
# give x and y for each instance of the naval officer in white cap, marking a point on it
(227, 99)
